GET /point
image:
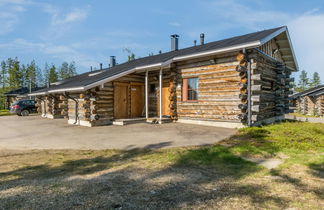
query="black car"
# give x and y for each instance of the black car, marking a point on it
(23, 107)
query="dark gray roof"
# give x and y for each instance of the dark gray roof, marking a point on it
(310, 92)
(84, 79)
(21, 91)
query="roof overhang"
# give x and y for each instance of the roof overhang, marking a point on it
(305, 94)
(37, 93)
(87, 87)
(288, 53)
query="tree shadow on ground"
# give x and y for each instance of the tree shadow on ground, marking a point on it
(200, 176)
(297, 183)
(317, 169)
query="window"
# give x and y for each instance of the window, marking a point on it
(190, 89)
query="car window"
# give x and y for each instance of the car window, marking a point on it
(29, 103)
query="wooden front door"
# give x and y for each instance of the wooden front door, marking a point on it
(121, 100)
(137, 100)
(165, 100)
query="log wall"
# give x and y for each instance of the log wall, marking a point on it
(269, 49)
(319, 106)
(218, 89)
(270, 85)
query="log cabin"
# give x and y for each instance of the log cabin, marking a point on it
(310, 102)
(18, 94)
(235, 82)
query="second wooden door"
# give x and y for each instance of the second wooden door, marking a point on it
(137, 100)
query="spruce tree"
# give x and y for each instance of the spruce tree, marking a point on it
(316, 80)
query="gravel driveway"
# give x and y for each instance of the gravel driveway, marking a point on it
(34, 132)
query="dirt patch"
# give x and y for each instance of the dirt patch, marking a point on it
(145, 179)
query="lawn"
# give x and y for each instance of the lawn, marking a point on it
(211, 177)
(4, 112)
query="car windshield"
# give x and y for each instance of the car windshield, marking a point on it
(15, 103)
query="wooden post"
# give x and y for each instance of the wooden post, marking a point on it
(146, 95)
(160, 87)
(249, 93)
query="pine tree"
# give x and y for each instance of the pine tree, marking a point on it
(71, 70)
(52, 75)
(15, 75)
(63, 72)
(25, 77)
(31, 75)
(316, 80)
(303, 83)
(39, 77)
(3, 74)
(46, 74)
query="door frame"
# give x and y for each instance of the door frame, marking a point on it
(127, 85)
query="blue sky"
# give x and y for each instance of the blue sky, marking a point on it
(88, 32)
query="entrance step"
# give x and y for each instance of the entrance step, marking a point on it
(128, 121)
(156, 120)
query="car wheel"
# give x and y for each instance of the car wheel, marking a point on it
(24, 112)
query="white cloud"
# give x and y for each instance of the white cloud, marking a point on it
(10, 12)
(62, 52)
(306, 29)
(240, 15)
(75, 15)
(175, 24)
(307, 32)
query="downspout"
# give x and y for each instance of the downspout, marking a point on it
(44, 105)
(53, 105)
(76, 106)
(249, 92)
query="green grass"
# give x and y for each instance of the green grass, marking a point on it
(303, 115)
(4, 112)
(303, 142)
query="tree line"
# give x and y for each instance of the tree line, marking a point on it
(306, 83)
(14, 75)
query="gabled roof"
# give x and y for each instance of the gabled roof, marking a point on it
(87, 80)
(318, 90)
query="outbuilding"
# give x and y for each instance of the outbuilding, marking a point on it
(310, 102)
